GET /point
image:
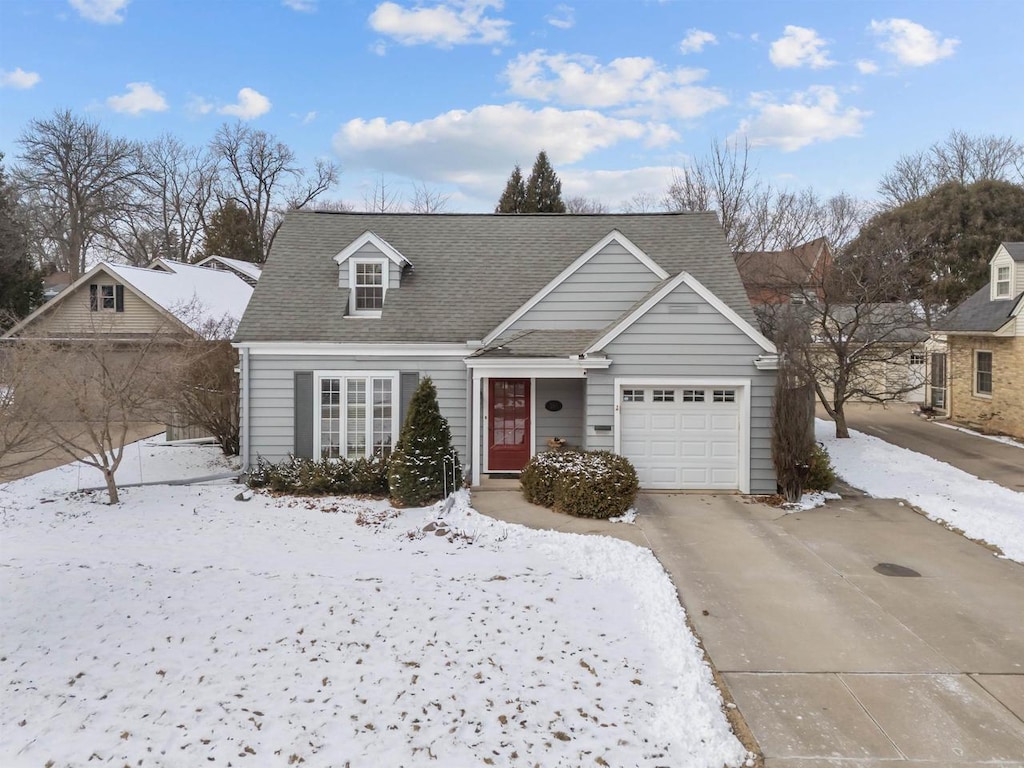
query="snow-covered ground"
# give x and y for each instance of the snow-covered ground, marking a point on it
(980, 508)
(184, 627)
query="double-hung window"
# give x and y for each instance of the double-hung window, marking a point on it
(106, 298)
(369, 283)
(1002, 282)
(983, 373)
(357, 414)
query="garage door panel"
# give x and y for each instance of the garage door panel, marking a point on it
(682, 445)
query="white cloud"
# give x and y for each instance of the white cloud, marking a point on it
(141, 97)
(251, 103)
(564, 17)
(636, 85)
(309, 117)
(101, 11)
(695, 41)
(616, 187)
(455, 22)
(302, 6)
(866, 66)
(912, 44)
(18, 78)
(799, 47)
(472, 148)
(811, 116)
(197, 105)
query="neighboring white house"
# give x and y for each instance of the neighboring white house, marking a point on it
(629, 333)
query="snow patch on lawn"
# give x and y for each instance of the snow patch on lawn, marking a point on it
(995, 438)
(183, 627)
(981, 509)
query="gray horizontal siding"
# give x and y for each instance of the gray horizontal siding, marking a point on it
(271, 408)
(566, 423)
(608, 285)
(669, 343)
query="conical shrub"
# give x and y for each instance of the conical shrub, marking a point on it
(424, 456)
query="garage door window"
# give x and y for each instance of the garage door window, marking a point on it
(632, 395)
(724, 395)
(664, 396)
(693, 395)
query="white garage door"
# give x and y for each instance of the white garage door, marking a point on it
(682, 437)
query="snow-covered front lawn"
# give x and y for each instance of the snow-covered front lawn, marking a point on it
(980, 508)
(184, 627)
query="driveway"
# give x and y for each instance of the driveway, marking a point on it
(898, 424)
(831, 658)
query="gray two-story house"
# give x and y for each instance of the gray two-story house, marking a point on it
(628, 333)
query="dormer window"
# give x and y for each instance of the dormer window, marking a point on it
(1002, 282)
(369, 282)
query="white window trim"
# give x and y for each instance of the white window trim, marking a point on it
(974, 378)
(1008, 282)
(742, 387)
(99, 297)
(352, 263)
(368, 376)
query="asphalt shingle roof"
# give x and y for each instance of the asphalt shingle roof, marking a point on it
(541, 343)
(469, 271)
(1016, 250)
(979, 312)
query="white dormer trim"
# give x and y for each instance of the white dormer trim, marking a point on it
(352, 264)
(377, 242)
(613, 236)
(697, 287)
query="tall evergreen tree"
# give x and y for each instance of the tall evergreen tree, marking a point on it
(21, 286)
(513, 199)
(233, 234)
(424, 456)
(543, 188)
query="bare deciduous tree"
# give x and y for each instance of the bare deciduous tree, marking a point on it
(581, 204)
(960, 157)
(382, 198)
(76, 177)
(263, 176)
(642, 202)
(427, 200)
(181, 181)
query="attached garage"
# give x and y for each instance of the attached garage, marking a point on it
(688, 436)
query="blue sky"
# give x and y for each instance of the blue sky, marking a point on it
(452, 93)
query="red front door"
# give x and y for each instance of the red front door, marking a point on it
(508, 424)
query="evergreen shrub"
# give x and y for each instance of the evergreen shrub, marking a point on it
(596, 484)
(821, 475)
(424, 462)
(322, 477)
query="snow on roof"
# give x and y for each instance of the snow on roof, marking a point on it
(197, 296)
(245, 267)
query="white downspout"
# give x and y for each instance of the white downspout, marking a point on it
(244, 437)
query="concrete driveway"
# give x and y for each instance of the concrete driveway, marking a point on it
(832, 661)
(897, 423)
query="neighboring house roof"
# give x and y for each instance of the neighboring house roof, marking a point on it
(247, 268)
(197, 297)
(1016, 250)
(980, 313)
(887, 321)
(470, 271)
(782, 270)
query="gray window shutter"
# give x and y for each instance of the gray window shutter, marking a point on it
(303, 414)
(119, 298)
(407, 386)
(94, 302)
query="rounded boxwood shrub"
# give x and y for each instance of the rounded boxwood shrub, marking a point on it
(596, 484)
(540, 473)
(821, 475)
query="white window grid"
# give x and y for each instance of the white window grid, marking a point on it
(108, 302)
(1002, 281)
(368, 286)
(632, 395)
(368, 424)
(663, 396)
(983, 372)
(693, 395)
(723, 395)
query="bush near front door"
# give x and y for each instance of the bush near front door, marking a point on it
(582, 483)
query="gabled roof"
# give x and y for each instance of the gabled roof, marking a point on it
(472, 270)
(782, 270)
(541, 343)
(980, 313)
(247, 268)
(382, 245)
(1016, 250)
(195, 296)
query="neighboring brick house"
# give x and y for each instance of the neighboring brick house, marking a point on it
(985, 335)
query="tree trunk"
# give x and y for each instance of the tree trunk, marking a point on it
(108, 475)
(840, 418)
